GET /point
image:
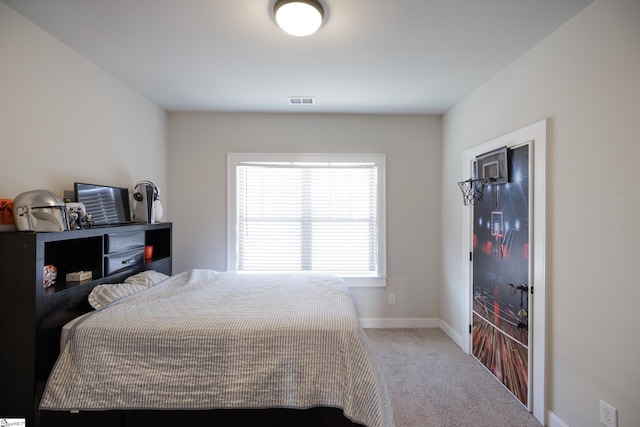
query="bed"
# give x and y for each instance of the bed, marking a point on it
(218, 344)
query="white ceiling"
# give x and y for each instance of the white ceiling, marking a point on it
(369, 56)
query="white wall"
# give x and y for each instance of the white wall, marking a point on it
(585, 77)
(63, 119)
(198, 146)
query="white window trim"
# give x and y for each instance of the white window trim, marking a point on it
(380, 280)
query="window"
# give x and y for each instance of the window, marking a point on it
(320, 213)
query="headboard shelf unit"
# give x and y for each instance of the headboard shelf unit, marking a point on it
(32, 316)
(156, 238)
(82, 254)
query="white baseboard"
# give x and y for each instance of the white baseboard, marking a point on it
(399, 323)
(555, 421)
(452, 333)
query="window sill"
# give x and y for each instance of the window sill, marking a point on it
(351, 281)
(366, 282)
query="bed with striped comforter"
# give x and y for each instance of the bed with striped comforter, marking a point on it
(204, 339)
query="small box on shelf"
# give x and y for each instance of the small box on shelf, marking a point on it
(78, 276)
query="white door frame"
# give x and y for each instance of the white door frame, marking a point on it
(537, 135)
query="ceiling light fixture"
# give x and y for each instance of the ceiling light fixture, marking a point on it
(299, 17)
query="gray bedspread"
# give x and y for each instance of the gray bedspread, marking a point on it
(204, 339)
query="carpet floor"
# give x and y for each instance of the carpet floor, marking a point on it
(433, 383)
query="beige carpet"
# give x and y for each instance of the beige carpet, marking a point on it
(433, 383)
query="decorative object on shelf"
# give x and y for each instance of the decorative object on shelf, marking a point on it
(76, 212)
(88, 221)
(39, 210)
(148, 252)
(6, 211)
(145, 196)
(79, 276)
(50, 275)
(157, 207)
(299, 17)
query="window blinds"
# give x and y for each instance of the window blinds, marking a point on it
(307, 217)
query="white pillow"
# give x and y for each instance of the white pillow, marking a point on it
(103, 295)
(146, 278)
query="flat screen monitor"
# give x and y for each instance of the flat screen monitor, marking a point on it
(107, 205)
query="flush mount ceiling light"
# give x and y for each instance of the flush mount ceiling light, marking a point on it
(299, 17)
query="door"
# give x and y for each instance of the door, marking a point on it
(501, 278)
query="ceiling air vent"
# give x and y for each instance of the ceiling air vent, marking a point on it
(302, 100)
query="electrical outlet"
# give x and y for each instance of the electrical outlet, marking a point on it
(608, 415)
(392, 298)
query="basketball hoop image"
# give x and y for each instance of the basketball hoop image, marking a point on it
(497, 224)
(473, 190)
(489, 168)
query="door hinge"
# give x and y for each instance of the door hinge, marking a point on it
(470, 256)
(531, 287)
(469, 328)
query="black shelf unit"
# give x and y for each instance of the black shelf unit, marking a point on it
(31, 316)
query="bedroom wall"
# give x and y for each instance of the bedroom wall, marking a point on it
(64, 119)
(198, 147)
(585, 78)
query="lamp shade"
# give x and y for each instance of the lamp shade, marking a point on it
(299, 17)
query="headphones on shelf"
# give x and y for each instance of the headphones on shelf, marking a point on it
(137, 196)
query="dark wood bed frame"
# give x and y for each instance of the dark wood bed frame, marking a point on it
(32, 317)
(273, 417)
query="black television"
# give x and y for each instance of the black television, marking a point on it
(107, 205)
